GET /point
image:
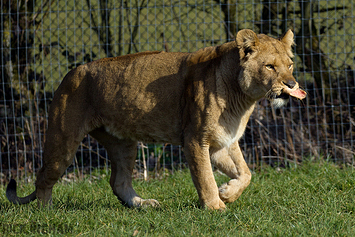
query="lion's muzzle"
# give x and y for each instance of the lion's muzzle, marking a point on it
(293, 90)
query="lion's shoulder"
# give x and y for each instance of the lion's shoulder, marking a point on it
(210, 53)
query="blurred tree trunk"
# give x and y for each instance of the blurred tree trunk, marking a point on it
(102, 26)
(308, 47)
(270, 12)
(6, 69)
(16, 47)
(134, 25)
(21, 87)
(101, 22)
(229, 8)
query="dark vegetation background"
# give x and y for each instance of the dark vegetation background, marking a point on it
(40, 41)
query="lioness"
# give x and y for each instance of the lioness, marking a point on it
(201, 100)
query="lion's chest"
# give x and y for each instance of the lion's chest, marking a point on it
(226, 136)
(230, 129)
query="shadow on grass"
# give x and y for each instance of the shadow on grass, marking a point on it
(115, 204)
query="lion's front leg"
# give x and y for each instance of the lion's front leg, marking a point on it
(231, 162)
(202, 175)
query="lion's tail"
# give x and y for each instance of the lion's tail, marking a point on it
(11, 194)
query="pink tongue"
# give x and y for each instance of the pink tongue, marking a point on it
(299, 94)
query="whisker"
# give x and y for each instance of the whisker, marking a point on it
(270, 95)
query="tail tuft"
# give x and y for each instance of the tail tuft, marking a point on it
(11, 194)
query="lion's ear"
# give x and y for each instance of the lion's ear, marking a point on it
(287, 38)
(247, 41)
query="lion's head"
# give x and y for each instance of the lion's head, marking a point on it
(267, 67)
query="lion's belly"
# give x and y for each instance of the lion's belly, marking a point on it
(157, 136)
(150, 128)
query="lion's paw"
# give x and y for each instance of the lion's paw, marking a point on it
(148, 203)
(215, 205)
(228, 192)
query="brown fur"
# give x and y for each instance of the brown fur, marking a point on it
(201, 100)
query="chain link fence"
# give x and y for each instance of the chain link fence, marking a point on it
(40, 41)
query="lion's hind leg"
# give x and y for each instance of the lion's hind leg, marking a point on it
(122, 154)
(59, 151)
(231, 162)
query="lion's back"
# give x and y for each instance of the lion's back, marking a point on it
(138, 96)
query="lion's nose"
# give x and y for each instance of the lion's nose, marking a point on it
(290, 83)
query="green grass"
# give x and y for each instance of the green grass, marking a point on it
(315, 199)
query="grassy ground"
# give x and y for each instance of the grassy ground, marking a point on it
(315, 199)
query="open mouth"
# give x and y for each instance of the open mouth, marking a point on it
(294, 92)
(283, 96)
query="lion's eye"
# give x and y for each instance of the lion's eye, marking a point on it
(270, 67)
(290, 67)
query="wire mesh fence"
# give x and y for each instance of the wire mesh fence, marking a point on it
(40, 41)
